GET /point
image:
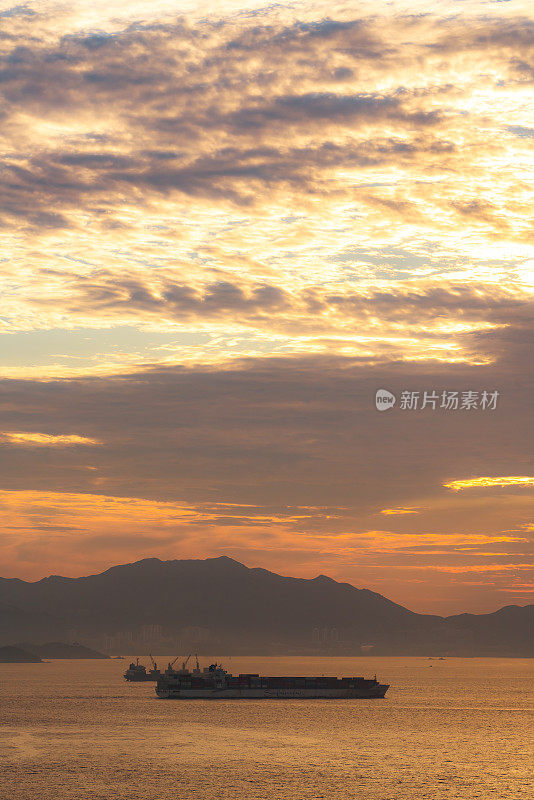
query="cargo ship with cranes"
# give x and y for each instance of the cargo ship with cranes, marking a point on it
(214, 682)
(137, 672)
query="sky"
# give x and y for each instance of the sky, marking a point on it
(224, 227)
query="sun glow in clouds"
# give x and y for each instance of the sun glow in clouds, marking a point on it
(474, 483)
(236, 212)
(401, 510)
(47, 440)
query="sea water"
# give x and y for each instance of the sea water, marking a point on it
(458, 728)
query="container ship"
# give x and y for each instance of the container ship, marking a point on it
(214, 682)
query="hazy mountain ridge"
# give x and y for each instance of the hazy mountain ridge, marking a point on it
(32, 622)
(251, 608)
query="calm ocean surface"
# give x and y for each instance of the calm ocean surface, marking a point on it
(459, 728)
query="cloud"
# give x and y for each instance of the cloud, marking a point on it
(45, 439)
(395, 511)
(285, 457)
(475, 483)
(264, 171)
(221, 232)
(519, 130)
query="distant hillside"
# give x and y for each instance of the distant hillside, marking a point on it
(62, 650)
(509, 631)
(218, 594)
(32, 622)
(260, 611)
(16, 655)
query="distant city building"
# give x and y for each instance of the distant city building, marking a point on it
(151, 633)
(123, 640)
(325, 634)
(195, 634)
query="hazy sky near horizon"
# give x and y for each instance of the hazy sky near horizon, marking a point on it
(224, 227)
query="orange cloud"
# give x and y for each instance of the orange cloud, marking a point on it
(46, 440)
(474, 483)
(400, 510)
(90, 532)
(172, 215)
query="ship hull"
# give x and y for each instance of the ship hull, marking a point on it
(233, 693)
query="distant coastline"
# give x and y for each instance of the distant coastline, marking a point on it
(25, 652)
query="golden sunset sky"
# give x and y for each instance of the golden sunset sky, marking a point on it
(224, 227)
